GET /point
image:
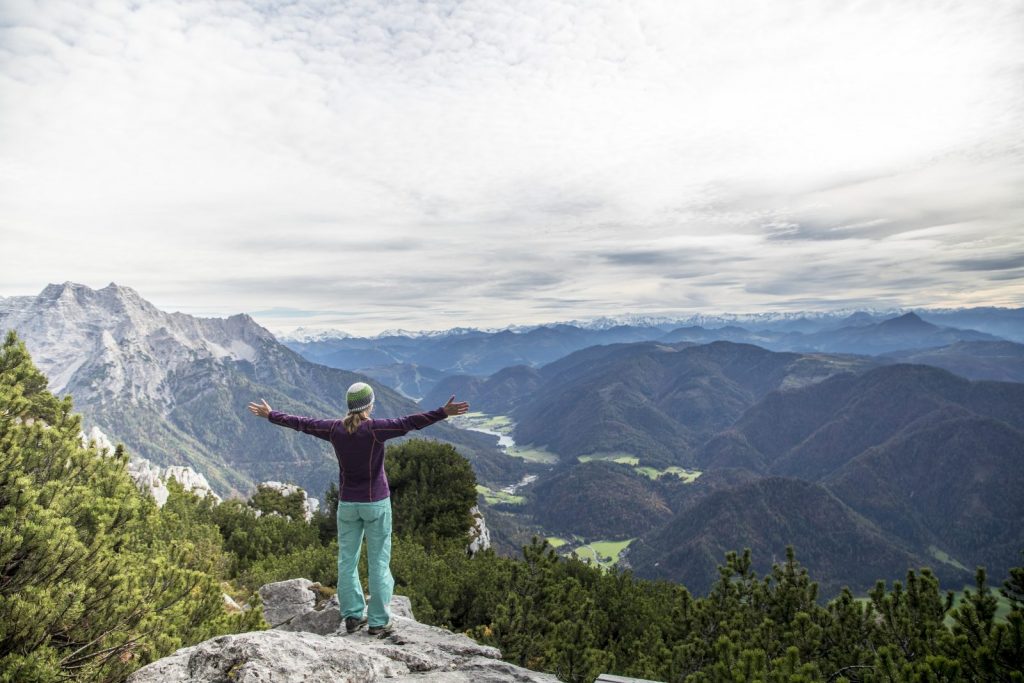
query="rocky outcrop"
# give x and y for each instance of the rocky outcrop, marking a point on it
(309, 505)
(151, 478)
(479, 534)
(308, 643)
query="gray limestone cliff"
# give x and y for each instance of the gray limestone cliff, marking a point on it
(308, 643)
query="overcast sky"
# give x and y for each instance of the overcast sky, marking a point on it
(423, 165)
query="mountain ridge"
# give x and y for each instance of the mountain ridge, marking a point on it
(173, 388)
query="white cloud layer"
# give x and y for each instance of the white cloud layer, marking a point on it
(431, 164)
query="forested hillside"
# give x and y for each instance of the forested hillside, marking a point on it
(497, 394)
(600, 500)
(935, 461)
(656, 401)
(1001, 361)
(836, 544)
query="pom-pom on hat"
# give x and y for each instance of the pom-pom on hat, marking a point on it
(359, 397)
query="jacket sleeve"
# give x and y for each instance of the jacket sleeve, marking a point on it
(309, 425)
(390, 428)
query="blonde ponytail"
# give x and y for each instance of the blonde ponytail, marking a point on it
(353, 420)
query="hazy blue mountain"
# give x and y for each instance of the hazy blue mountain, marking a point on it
(858, 319)
(468, 352)
(174, 388)
(1007, 323)
(498, 394)
(731, 333)
(411, 380)
(1002, 361)
(907, 331)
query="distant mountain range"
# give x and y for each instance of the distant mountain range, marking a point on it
(174, 388)
(907, 331)
(466, 352)
(1002, 322)
(429, 357)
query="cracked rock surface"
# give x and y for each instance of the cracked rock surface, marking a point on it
(309, 643)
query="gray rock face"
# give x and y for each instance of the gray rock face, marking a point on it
(149, 477)
(309, 644)
(269, 656)
(479, 534)
(285, 600)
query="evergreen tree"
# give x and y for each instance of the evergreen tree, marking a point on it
(271, 501)
(1013, 587)
(87, 589)
(984, 649)
(433, 489)
(326, 518)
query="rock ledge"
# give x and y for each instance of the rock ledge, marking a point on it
(308, 643)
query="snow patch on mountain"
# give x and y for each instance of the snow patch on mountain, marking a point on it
(715, 320)
(305, 335)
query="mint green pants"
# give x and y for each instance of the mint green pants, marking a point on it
(373, 520)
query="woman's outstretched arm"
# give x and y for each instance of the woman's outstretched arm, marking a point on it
(399, 426)
(308, 425)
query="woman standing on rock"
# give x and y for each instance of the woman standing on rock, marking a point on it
(364, 499)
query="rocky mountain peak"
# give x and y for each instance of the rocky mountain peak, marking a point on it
(908, 322)
(113, 342)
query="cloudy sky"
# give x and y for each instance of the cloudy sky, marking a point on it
(423, 165)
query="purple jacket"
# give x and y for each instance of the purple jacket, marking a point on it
(360, 455)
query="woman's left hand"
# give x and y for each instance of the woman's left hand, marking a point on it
(260, 410)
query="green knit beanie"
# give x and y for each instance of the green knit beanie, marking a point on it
(359, 397)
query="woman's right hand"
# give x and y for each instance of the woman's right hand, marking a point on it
(453, 408)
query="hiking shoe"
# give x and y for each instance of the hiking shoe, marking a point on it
(353, 624)
(380, 630)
